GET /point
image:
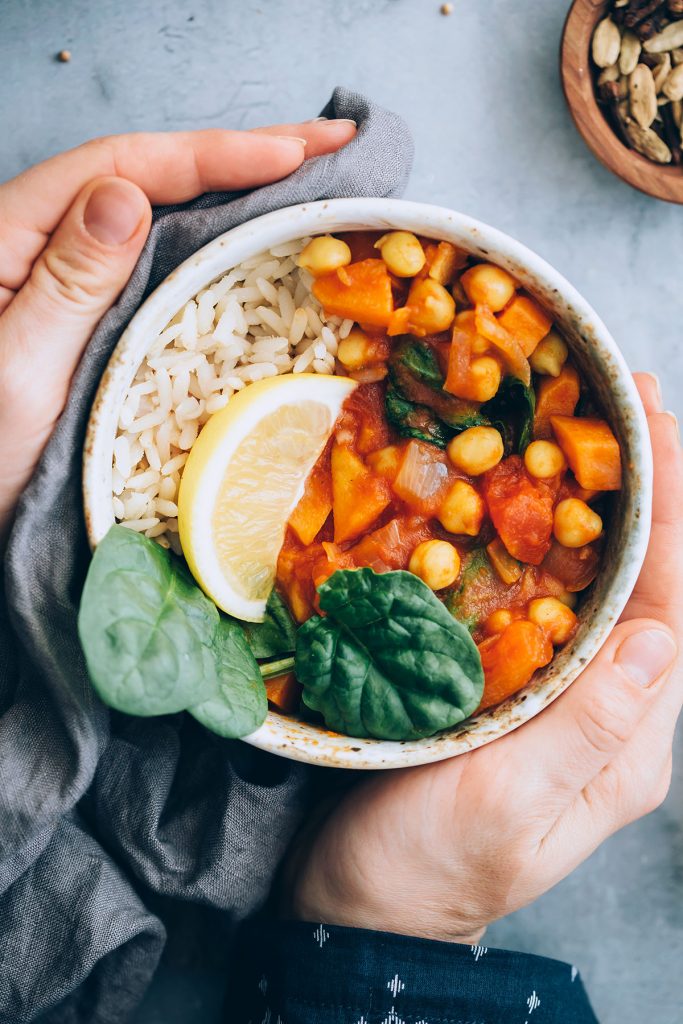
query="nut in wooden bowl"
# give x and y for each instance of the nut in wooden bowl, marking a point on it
(620, 65)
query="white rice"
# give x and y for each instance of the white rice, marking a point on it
(259, 320)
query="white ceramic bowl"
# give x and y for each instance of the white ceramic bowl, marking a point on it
(598, 359)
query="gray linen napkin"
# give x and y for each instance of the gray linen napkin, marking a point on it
(101, 814)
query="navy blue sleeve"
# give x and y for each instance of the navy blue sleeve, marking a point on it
(301, 973)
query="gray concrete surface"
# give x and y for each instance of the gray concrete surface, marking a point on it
(480, 91)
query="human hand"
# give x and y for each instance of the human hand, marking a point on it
(443, 850)
(71, 231)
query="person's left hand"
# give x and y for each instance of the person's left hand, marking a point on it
(443, 850)
(71, 231)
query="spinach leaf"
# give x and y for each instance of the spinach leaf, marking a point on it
(511, 411)
(276, 634)
(388, 659)
(417, 421)
(153, 642)
(240, 705)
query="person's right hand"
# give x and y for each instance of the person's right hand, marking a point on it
(71, 231)
(443, 850)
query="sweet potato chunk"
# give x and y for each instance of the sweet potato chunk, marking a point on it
(310, 514)
(510, 660)
(358, 496)
(386, 461)
(284, 692)
(524, 319)
(360, 291)
(592, 451)
(555, 396)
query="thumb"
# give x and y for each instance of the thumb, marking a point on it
(77, 277)
(46, 326)
(575, 738)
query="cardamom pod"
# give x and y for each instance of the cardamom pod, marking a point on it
(661, 70)
(648, 143)
(629, 53)
(669, 38)
(673, 86)
(606, 43)
(642, 96)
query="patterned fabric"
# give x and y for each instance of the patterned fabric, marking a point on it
(301, 973)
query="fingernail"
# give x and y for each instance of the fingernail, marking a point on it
(674, 418)
(290, 138)
(314, 120)
(340, 120)
(113, 212)
(658, 386)
(645, 656)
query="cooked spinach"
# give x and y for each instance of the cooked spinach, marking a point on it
(155, 644)
(274, 636)
(511, 411)
(464, 601)
(388, 659)
(420, 360)
(416, 421)
(416, 404)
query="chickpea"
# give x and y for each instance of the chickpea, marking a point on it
(431, 307)
(544, 459)
(550, 355)
(476, 450)
(355, 350)
(402, 253)
(553, 617)
(492, 286)
(485, 376)
(462, 510)
(324, 254)
(436, 562)
(576, 523)
(498, 621)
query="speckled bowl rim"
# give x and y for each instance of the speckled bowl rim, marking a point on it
(598, 356)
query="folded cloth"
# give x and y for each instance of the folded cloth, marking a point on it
(305, 973)
(164, 807)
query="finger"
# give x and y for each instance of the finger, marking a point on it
(169, 167)
(650, 391)
(659, 590)
(322, 136)
(73, 282)
(573, 740)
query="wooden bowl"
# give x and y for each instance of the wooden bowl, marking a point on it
(663, 181)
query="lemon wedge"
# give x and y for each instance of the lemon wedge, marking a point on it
(244, 476)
